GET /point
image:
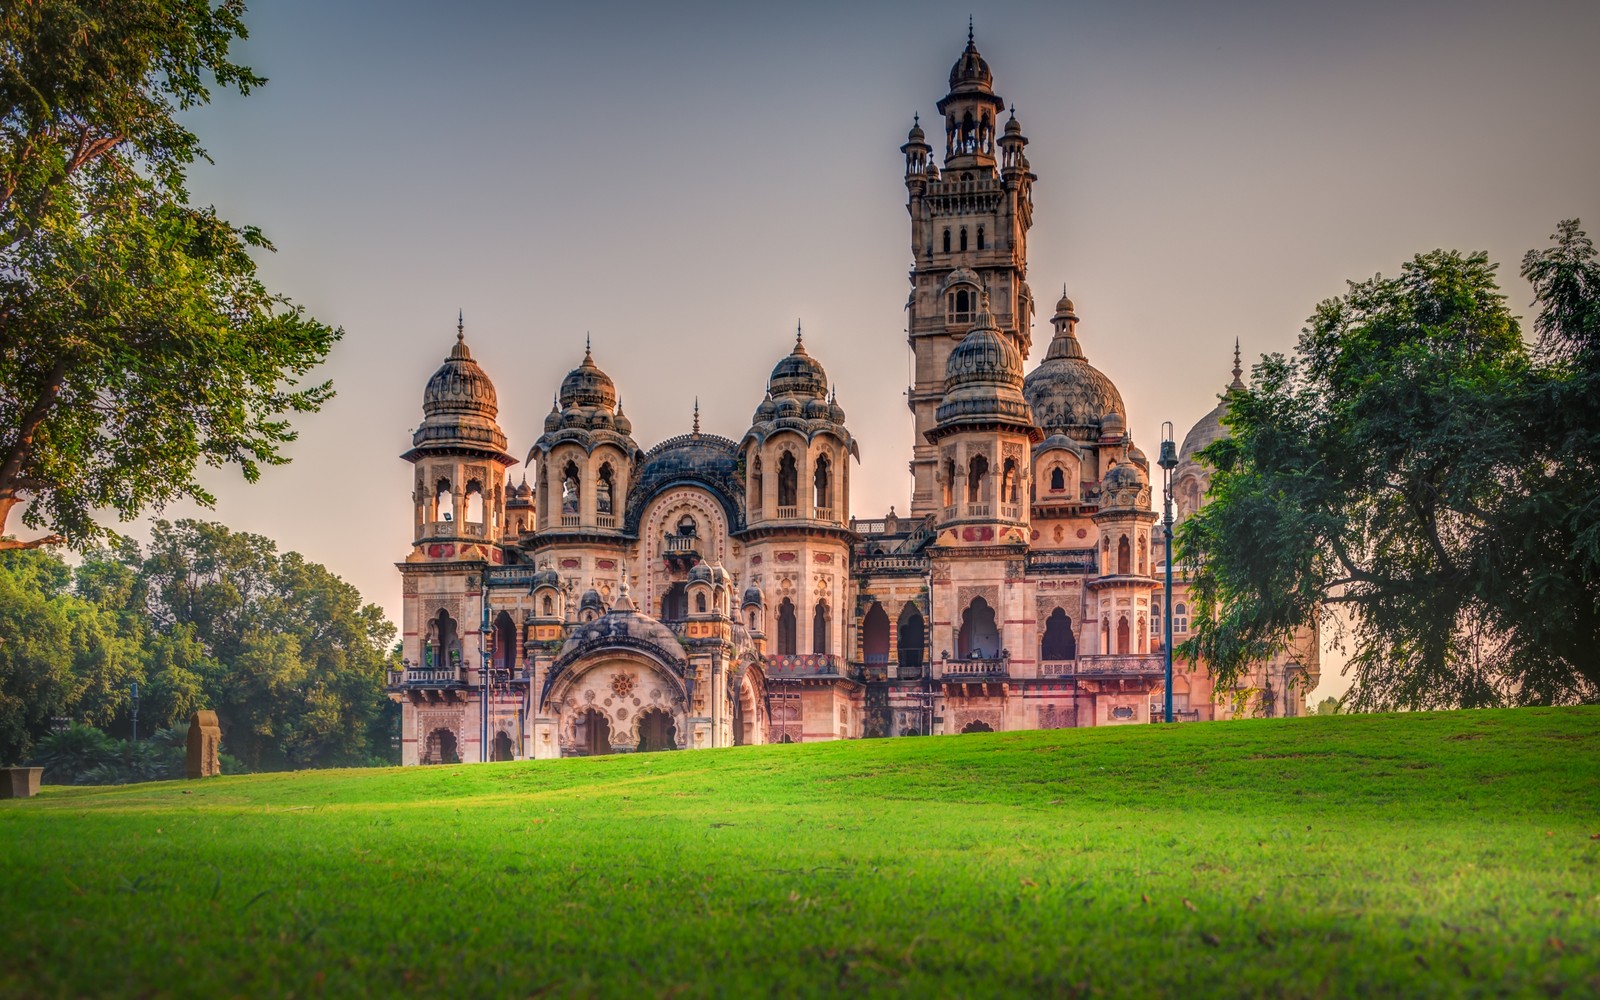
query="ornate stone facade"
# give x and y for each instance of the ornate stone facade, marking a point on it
(710, 592)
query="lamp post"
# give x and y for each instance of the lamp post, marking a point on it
(1168, 462)
(134, 690)
(484, 645)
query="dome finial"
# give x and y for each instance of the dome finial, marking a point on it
(1237, 382)
(461, 324)
(799, 335)
(588, 356)
(916, 119)
(969, 29)
(697, 416)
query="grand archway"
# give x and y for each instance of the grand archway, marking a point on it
(630, 693)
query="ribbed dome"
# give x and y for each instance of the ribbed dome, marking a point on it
(799, 374)
(1209, 428)
(587, 385)
(459, 405)
(983, 378)
(971, 70)
(1067, 394)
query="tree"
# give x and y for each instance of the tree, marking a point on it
(1401, 467)
(135, 338)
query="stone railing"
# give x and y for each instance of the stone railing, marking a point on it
(891, 564)
(1065, 561)
(1057, 668)
(571, 520)
(605, 520)
(805, 665)
(788, 513)
(425, 677)
(1126, 665)
(976, 667)
(1010, 512)
(681, 543)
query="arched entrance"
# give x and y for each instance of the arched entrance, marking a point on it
(656, 731)
(978, 637)
(595, 731)
(501, 748)
(1058, 643)
(441, 748)
(912, 643)
(977, 726)
(875, 635)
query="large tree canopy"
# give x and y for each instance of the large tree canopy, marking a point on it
(135, 338)
(286, 653)
(1414, 465)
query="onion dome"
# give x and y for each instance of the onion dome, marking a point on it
(591, 601)
(720, 577)
(700, 574)
(1013, 127)
(799, 374)
(752, 597)
(767, 410)
(983, 379)
(552, 420)
(623, 424)
(1125, 485)
(459, 405)
(1067, 394)
(546, 577)
(916, 134)
(835, 411)
(1209, 428)
(1112, 424)
(587, 385)
(971, 70)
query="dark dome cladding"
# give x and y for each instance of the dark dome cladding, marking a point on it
(971, 69)
(983, 377)
(798, 374)
(1065, 392)
(459, 405)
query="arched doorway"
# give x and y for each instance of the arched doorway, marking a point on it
(977, 726)
(656, 731)
(505, 643)
(875, 635)
(1058, 642)
(786, 628)
(501, 749)
(441, 748)
(912, 641)
(978, 636)
(595, 731)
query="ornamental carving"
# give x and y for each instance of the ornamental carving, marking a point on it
(964, 596)
(622, 684)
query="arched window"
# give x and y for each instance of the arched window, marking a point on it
(1142, 631)
(1180, 618)
(474, 499)
(947, 241)
(755, 487)
(603, 489)
(963, 239)
(824, 486)
(444, 501)
(1144, 554)
(788, 481)
(949, 482)
(982, 244)
(1058, 480)
(569, 489)
(819, 628)
(912, 642)
(1124, 557)
(1123, 637)
(441, 647)
(549, 607)
(978, 638)
(675, 603)
(700, 603)
(977, 471)
(505, 642)
(962, 302)
(687, 527)
(1008, 481)
(786, 629)
(1058, 642)
(875, 634)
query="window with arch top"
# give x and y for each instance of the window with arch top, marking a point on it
(819, 628)
(1124, 557)
(963, 239)
(823, 484)
(786, 628)
(961, 305)
(947, 241)
(788, 481)
(604, 489)
(982, 243)
(1058, 480)
(977, 472)
(569, 488)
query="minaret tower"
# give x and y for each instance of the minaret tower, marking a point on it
(969, 237)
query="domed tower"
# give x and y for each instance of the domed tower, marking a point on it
(983, 437)
(969, 230)
(1192, 477)
(1120, 596)
(460, 457)
(584, 461)
(796, 458)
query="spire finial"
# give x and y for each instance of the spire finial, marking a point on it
(461, 324)
(1237, 369)
(697, 416)
(969, 29)
(588, 356)
(916, 119)
(799, 337)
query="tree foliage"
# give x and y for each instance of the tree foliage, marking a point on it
(135, 338)
(1415, 465)
(285, 652)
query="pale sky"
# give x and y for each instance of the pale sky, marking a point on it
(683, 182)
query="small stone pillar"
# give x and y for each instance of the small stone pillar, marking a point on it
(19, 782)
(205, 743)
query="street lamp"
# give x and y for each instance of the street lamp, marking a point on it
(134, 689)
(1168, 462)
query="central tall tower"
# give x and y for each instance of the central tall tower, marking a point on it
(969, 236)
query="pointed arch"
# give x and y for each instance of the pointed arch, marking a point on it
(875, 635)
(570, 488)
(977, 472)
(604, 490)
(979, 637)
(505, 642)
(1123, 635)
(1058, 644)
(823, 484)
(819, 628)
(786, 628)
(1124, 557)
(788, 480)
(913, 639)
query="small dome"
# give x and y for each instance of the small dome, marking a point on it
(1064, 308)
(766, 411)
(971, 70)
(983, 377)
(1057, 440)
(601, 419)
(459, 405)
(700, 574)
(591, 601)
(836, 412)
(786, 408)
(552, 420)
(546, 577)
(752, 597)
(1013, 127)
(522, 490)
(799, 374)
(1112, 424)
(719, 576)
(1123, 474)
(816, 409)
(916, 134)
(1209, 428)
(587, 385)
(624, 425)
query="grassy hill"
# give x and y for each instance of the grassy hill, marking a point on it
(1447, 854)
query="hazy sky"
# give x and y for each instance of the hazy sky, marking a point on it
(684, 181)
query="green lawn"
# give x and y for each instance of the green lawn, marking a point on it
(1449, 854)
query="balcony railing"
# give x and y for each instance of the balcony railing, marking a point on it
(891, 564)
(605, 520)
(1010, 512)
(571, 520)
(788, 513)
(823, 514)
(681, 543)
(805, 665)
(977, 667)
(1123, 665)
(1067, 561)
(425, 677)
(977, 510)
(1057, 668)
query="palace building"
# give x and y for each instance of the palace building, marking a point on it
(707, 592)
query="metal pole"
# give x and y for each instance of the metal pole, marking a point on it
(1169, 460)
(135, 689)
(483, 702)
